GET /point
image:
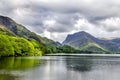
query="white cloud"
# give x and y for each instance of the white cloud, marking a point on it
(46, 34)
(111, 24)
(82, 24)
(49, 23)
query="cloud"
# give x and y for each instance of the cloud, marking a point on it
(57, 18)
(111, 24)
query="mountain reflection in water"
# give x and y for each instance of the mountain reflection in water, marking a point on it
(60, 68)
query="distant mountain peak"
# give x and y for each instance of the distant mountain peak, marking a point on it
(80, 32)
(78, 36)
(85, 41)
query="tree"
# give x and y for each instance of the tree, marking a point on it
(22, 47)
(6, 48)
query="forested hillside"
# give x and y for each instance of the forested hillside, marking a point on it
(16, 40)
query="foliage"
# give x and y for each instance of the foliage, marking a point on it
(38, 48)
(61, 49)
(22, 46)
(6, 47)
(16, 46)
(67, 49)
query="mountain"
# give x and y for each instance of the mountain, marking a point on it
(18, 34)
(4, 30)
(16, 40)
(19, 38)
(19, 30)
(86, 42)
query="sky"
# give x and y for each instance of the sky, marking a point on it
(55, 19)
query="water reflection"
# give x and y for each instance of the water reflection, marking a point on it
(9, 77)
(17, 63)
(79, 64)
(13, 68)
(59, 68)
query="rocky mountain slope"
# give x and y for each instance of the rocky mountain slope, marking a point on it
(86, 42)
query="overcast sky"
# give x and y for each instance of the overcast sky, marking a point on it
(56, 19)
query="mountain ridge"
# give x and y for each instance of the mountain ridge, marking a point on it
(16, 38)
(78, 42)
(82, 39)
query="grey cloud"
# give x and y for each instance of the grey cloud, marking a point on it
(60, 28)
(33, 13)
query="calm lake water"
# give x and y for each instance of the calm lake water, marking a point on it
(60, 68)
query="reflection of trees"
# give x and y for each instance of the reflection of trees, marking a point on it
(79, 64)
(10, 64)
(17, 63)
(9, 77)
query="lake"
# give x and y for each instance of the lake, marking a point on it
(60, 68)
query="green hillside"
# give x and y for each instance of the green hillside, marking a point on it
(16, 40)
(16, 46)
(93, 47)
